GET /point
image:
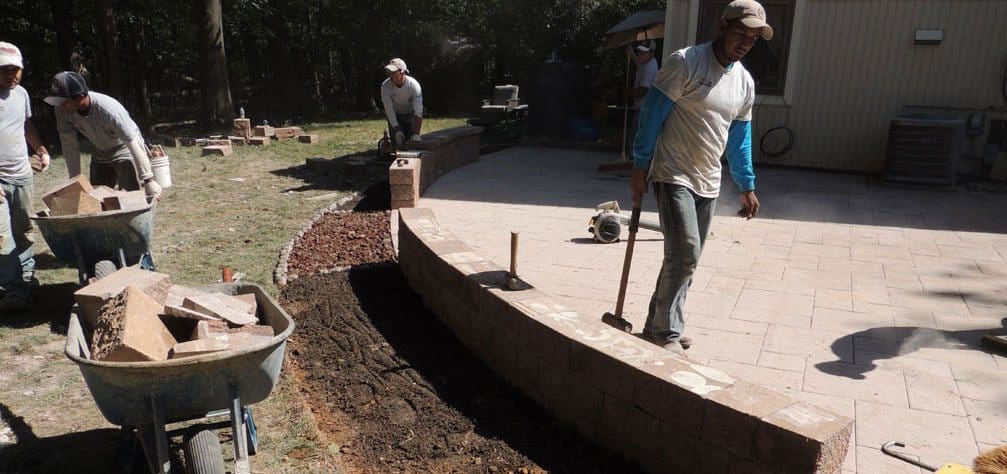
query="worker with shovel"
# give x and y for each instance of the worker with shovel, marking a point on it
(120, 157)
(699, 107)
(402, 98)
(642, 55)
(17, 261)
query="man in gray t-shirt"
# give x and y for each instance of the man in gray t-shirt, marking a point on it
(17, 263)
(120, 157)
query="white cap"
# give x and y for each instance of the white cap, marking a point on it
(395, 65)
(10, 55)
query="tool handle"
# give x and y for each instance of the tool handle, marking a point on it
(513, 254)
(634, 225)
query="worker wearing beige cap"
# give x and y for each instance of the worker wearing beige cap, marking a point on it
(17, 263)
(699, 107)
(402, 98)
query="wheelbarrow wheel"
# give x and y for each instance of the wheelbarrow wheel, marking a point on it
(103, 269)
(203, 454)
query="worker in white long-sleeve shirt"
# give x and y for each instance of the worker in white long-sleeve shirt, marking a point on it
(120, 157)
(402, 98)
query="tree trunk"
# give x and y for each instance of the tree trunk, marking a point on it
(141, 91)
(215, 90)
(112, 70)
(62, 16)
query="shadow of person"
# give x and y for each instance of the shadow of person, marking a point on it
(83, 451)
(901, 340)
(50, 304)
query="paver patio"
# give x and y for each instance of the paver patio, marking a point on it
(862, 298)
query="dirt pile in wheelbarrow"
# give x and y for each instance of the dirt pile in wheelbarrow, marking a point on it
(396, 392)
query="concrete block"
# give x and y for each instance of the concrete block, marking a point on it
(91, 298)
(263, 131)
(218, 150)
(405, 171)
(249, 298)
(129, 329)
(406, 203)
(258, 141)
(803, 438)
(310, 139)
(242, 127)
(182, 312)
(217, 342)
(74, 203)
(238, 141)
(218, 142)
(177, 293)
(126, 201)
(102, 192)
(285, 133)
(222, 306)
(77, 184)
(211, 329)
(732, 415)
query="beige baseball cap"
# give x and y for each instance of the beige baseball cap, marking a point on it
(396, 65)
(10, 55)
(751, 15)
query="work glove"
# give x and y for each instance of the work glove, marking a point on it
(152, 189)
(416, 138)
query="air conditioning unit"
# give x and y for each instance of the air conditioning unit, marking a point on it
(924, 149)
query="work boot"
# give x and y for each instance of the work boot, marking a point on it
(13, 302)
(674, 347)
(685, 341)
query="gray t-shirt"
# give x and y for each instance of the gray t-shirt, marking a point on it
(708, 97)
(107, 124)
(401, 100)
(15, 108)
(645, 75)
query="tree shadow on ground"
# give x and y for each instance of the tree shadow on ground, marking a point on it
(50, 304)
(85, 451)
(348, 172)
(889, 342)
(460, 379)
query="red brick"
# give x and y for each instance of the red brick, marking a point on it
(91, 298)
(77, 184)
(219, 150)
(310, 139)
(129, 329)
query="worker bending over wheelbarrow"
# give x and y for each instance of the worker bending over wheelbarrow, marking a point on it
(120, 157)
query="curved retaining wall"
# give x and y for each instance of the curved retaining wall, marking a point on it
(661, 411)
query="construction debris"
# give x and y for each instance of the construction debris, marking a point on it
(129, 329)
(228, 308)
(92, 297)
(77, 196)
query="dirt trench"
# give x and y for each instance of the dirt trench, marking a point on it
(396, 392)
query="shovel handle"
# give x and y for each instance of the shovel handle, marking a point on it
(513, 254)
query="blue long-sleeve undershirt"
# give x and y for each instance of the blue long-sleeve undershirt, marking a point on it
(655, 109)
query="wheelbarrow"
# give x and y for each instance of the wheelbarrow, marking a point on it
(106, 240)
(144, 397)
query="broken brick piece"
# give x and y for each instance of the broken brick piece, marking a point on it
(129, 330)
(73, 204)
(183, 312)
(77, 184)
(92, 297)
(312, 139)
(222, 306)
(218, 150)
(263, 131)
(126, 201)
(209, 329)
(258, 141)
(250, 299)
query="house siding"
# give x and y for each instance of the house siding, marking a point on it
(856, 68)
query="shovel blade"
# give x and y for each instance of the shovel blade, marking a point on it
(617, 322)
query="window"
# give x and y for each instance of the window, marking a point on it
(767, 60)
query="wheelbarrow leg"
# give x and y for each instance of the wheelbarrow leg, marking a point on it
(81, 265)
(239, 434)
(155, 441)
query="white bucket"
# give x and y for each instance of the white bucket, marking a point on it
(162, 171)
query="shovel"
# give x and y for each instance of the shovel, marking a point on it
(616, 320)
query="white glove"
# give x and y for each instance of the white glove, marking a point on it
(39, 162)
(416, 138)
(152, 189)
(400, 138)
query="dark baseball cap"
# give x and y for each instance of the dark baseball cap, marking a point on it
(65, 85)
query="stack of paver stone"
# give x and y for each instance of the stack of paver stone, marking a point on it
(77, 196)
(136, 315)
(244, 134)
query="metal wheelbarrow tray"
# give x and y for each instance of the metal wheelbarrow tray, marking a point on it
(86, 239)
(148, 395)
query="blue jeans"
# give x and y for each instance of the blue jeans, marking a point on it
(685, 222)
(17, 262)
(406, 124)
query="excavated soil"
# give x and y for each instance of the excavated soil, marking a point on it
(361, 237)
(396, 392)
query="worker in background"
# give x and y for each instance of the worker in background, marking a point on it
(120, 158)
(699, 108)
(642, 54)
(402, 98)
(17, 134)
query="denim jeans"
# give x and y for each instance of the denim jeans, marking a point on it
(406, 123)
(17, 262)
(685, 222)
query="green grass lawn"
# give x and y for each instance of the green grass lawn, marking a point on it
(235, 211)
